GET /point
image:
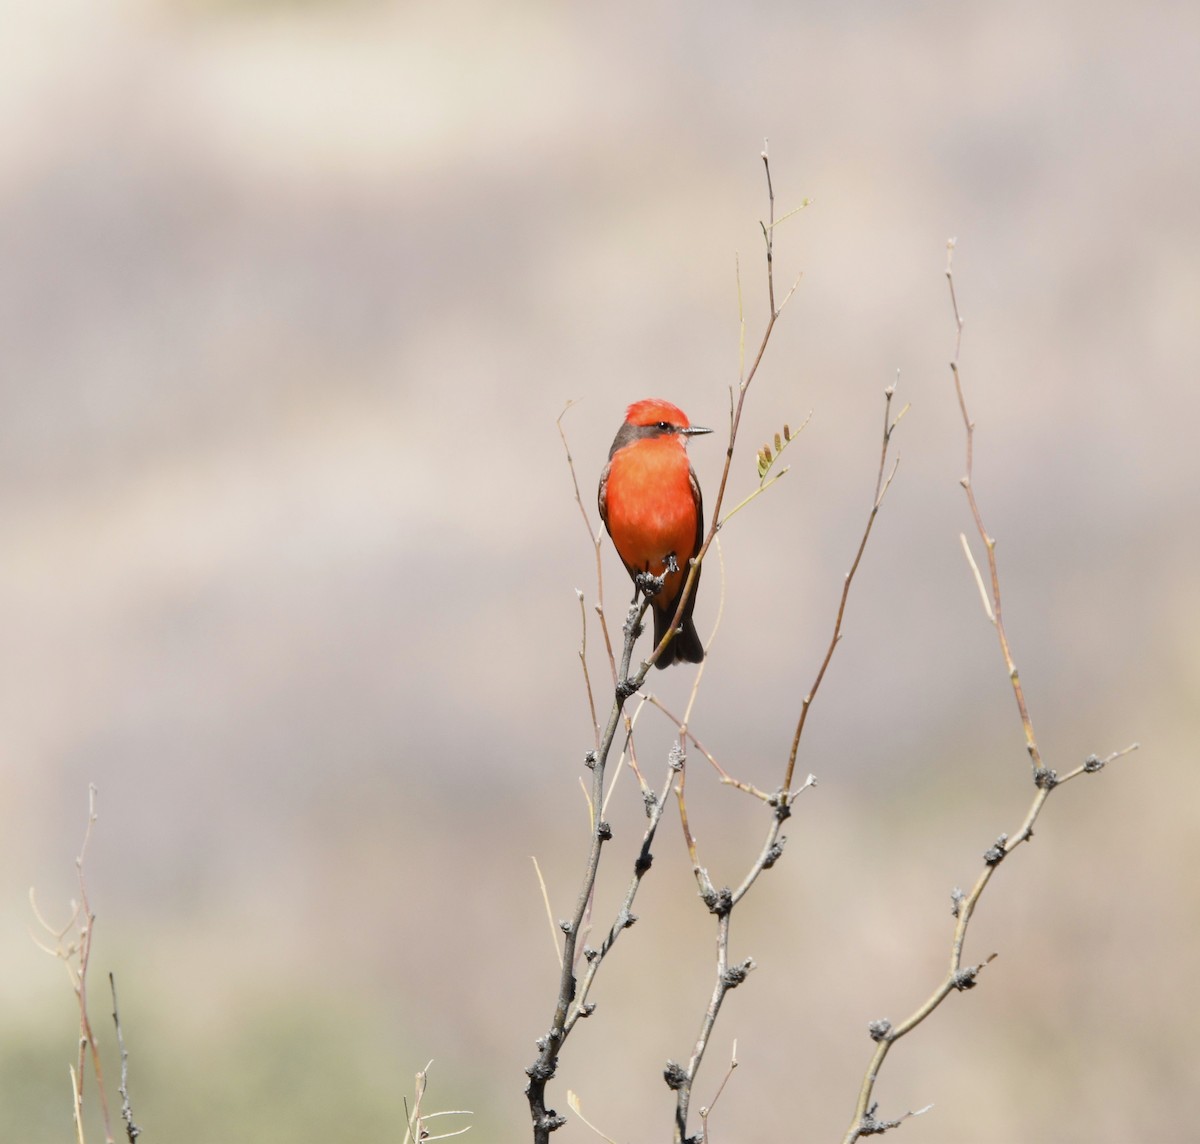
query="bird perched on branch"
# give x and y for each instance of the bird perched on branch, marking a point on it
(650, 503)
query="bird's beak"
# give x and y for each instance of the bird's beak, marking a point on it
(694, 431)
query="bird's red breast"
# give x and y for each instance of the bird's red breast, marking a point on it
(651, 508)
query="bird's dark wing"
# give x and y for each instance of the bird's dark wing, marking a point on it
(602, 495)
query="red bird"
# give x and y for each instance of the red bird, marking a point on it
(650, 503)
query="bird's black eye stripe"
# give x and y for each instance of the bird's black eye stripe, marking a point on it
(664, 426)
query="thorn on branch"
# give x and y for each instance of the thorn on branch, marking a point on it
(589, 760)
(132, 1131)
(590, 954)
(1044, 778)
(774, 852)
(565, 926)
(1093, 763)
(996, 854)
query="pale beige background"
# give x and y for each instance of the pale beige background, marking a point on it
(290, 298)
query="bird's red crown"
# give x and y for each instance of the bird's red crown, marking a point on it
(652, 410)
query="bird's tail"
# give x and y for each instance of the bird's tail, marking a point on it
(685, 647)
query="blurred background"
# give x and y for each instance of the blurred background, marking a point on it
(291, 296)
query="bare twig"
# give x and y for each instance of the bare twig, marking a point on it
(681, 1078)
(576, 1107)
(587, 679)
(989, 542)
(983, 592)
(75, 955)
(628, 754)
(546, 1120)
(625, 916)
(726, 778)
(883, 480)
(549, 911)
(77, 1104)
(707, 1110)
(958, 977)
(132, 1131)
(416, 1131)
(594, 536)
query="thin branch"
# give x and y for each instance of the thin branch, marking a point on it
(983, 594)
(680, 1078)
(690, 842)
(989, 542)
(549, 910)
(587, 679)
(958, 977)
(882, 484)
(727, 977)
(576, 1107)
(628, 754)
(132, 1131)
(77, 1104)
(415, 1127)
(707, 1111)
(769, 229)
(546, 1120)
(726, 778)
(594, 537)
(76, 956)
(625, 917)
